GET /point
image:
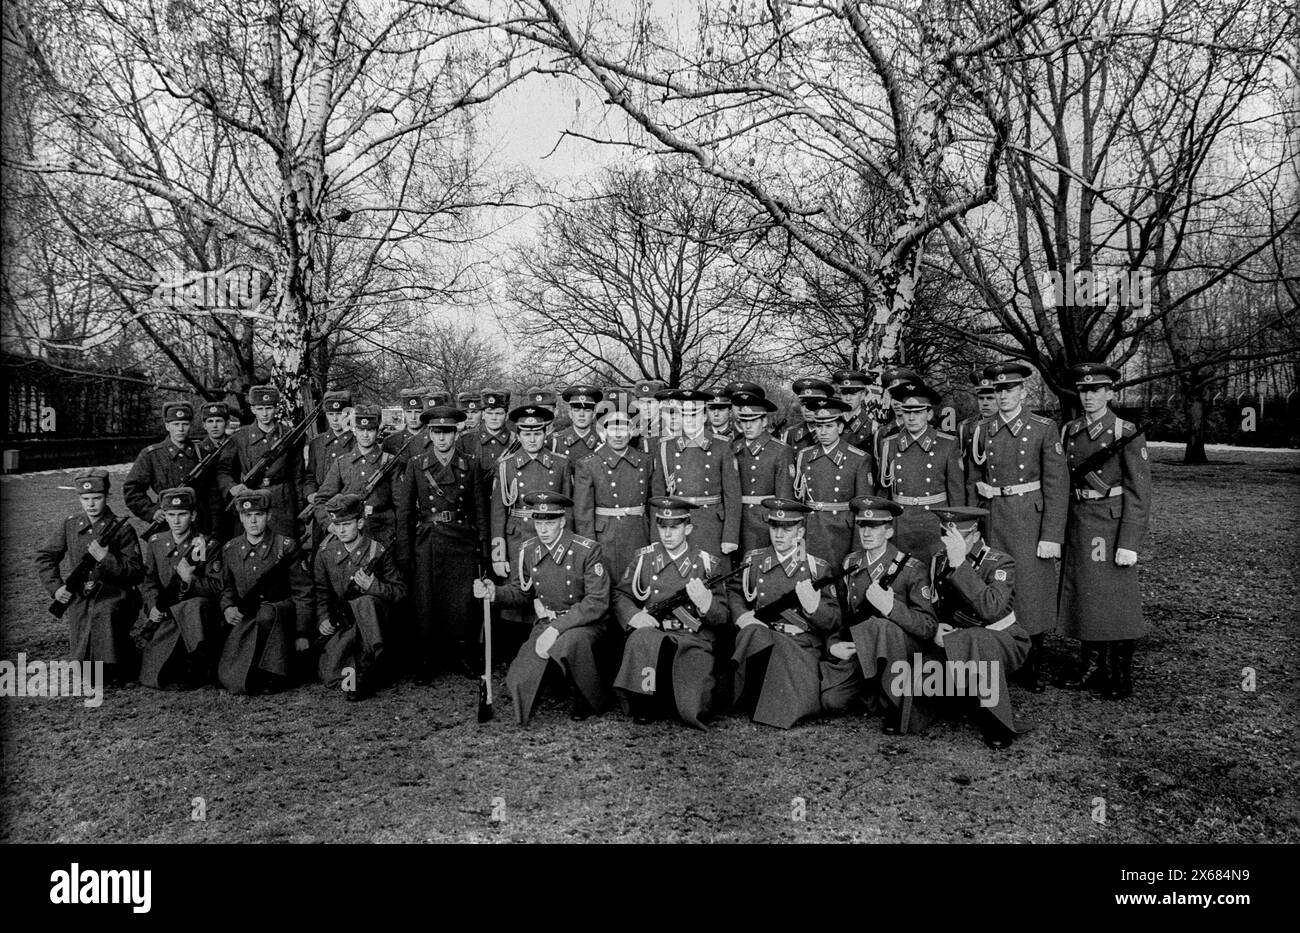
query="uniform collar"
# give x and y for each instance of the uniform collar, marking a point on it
(84, 524)
(1096, 428)
(247, 549)
(702, 441)
(925, 440)
(356, 555)
(1014, 425)
(835, 455)
(612, 457)
(544, 457)
(375, 454)
(556, 552)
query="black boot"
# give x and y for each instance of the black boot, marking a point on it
(1030, 674)
(1120, 671)
(1092, 670)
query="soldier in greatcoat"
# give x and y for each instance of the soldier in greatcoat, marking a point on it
(352, 471)
(828, 474)
(413, 438)
(610, 490)
(851, 385)
(701, 469)
(324, 450)
(165, 465)
(798, 432)
(580, 439)
(282, 479)
(764, 464)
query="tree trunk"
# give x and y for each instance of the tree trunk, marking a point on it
(1195, 410)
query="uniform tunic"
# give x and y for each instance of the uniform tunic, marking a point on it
(164, 466)
(99, 625)
(776, 673)
(350, 473)
(1100, 601)
(703, 470)
(281, 480)
(569, 580)
(766, 468)
(879, 640)
(798, 436)
(609, 503)
(185, 645)
(858, 430)
(518, 475)
(1025, 451)
(263, 642)
(396, 443)
(978, 598)
(322, 451)
(827, 480)
(574, 446)
(442, 535)
(921, 473)
(359, 646)
(670, 661)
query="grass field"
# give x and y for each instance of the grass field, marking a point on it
(1192, 757)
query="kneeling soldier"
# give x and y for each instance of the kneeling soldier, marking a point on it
(974, 587)
(672, 614)
(266, 599)
(890, 618)
(355, 584)
(783, 620)
(98, 598)
(563, 576)
(181, 589)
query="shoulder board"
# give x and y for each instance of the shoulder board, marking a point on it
(1125, 427)
(585, 542)
(1039, 418)
(945, 435)
(816, 563)
(911, 562)
(855, 450)
(560, 455)
(707, 560)
(996, 556)
(156, 537)
(648, 549)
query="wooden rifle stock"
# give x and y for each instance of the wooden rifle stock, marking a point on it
(189, 479)
(770, 613)
(82, 581)
(662, 609)
(257, 472)
(249, 602)
(1097, 459)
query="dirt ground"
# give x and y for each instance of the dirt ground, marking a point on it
(1192, 757)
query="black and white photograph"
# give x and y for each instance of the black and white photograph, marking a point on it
(651, 421)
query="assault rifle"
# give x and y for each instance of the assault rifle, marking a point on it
(373, 483)
(1097, 459)
(351, 592)
(189, 479)
(770, 613)
(886, 580)
(83, 580)
(676, 605)
(485, 683)
(248, 603)
(171, 593)
(254, 476)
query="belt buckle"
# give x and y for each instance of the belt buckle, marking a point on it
(1005, 491)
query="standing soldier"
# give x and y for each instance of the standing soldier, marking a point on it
(974, 591)
(765, 465)
(532, 468)
(442, 522)
(579, 439)
(266, 599)
(1018, 473)
(852, 384)
(646, 430)
(701, 469)
(220, 522)
(777, 663)
(413, 431)
(718, 409)
(889, 618)
(216, 416)
(101, 612)
(546, 398)
(828, 475)
(671, 659)
(920, 469)
(323, 450)
(891, 421)
(563, 577)
(281, 480)
(800, 434)
(471, 403)
(352, 471)
(181, 590)
(610, 489)
(494, 436)
(986, 406)
(355, 586)
(1110, 505)
(165, 465)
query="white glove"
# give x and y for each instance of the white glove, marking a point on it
(1125, 558)
(485, 589)
(1047, 550)
(809, 598)
(326, 627)
(747, 619)
(545, 641)
(881, 598)
(843, 650)
(642, 619)
(943, 629)
(700, 594)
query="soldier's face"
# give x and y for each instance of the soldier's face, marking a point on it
(1010, 398)
(785, 537)
(254, 522)
(1095, 399)
(692, 415)
(264, 414)
(987, 404)
(581, 417)
(649, 409)
(548, 529)
(828, 432)
(177, 431)
(366, 437)
(443, 439)
(720, 419)
(347, 530)
(752, 428)
(672, 533)
(472, 418)
(335, 420)
(915, 421)
(853, 395)
(93, 504)
(412, 419)
(617, 434)
(872, 537)
(494, 418)
(532, 439)
(670, 418)
(178, 520)
(216, 427)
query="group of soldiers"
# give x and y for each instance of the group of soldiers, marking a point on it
(670, 549)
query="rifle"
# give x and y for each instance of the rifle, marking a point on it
(248, 603)
(171, 593)
(676, 604)
(485, 684)
(254, 476)
(190, 479)
(886, 581)
(770, 613)
(1097, 459)
(373, 483)
(83, 576)
(350, 592)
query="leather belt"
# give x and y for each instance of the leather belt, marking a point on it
(1095, 494)
(439, 518)
(939, 498)
(620, 511)
(753, 500)
(965, 620)
(992, 492)
(702, 500)
(828, 506)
